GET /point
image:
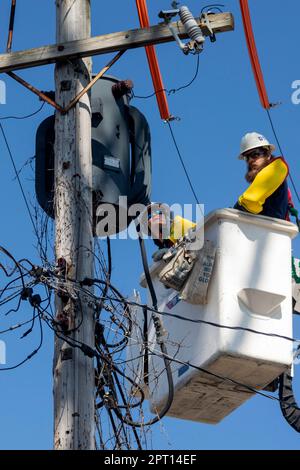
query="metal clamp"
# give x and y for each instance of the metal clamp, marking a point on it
(206, 27)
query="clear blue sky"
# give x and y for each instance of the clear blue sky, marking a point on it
(220, 106)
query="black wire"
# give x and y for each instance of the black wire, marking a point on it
(215, 6)
(126, 405)
(23, 117)
(227, 379)
(281, 151)
(4, 369)
(172, 91)
(9, 255)
(21, 187)
(148, 275)
(116, 432)
(96, 353)
(14, 309)
(10, 297)
(172, 359)
(128, 410)
(108, 274)
(218, 325)
(123, 341)
(163, 354)
(15, 327)
(173, 315)
(175, 90)
(9, 283)
(183, 164)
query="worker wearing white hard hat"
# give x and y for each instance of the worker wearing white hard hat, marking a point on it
(268, 193)
(253, 140)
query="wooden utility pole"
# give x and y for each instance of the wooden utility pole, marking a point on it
(73, 371)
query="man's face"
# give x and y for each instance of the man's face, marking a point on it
(256, 160)
(158, 225)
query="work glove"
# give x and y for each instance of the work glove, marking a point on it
(157, 255)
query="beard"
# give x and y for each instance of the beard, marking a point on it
(252, 172)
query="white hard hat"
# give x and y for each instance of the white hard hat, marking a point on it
(253, 140)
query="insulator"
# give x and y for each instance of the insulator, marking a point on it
(191, 26)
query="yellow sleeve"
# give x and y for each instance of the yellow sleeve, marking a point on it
(179, 228)
(264, 184)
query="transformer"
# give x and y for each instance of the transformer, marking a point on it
(121, 152)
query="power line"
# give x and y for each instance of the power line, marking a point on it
(121, 299)
(281, 151)
(228, 379)
(183, 164)
(3, 118)
(217, 325)
(172, 91)
(21, 187)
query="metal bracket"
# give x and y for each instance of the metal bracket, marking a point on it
(167, 15)
(206, 27)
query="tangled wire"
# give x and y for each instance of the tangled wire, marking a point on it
(120, 419)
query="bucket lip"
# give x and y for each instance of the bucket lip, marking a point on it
(260, 220)
(236, 216)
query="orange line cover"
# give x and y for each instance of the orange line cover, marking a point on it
(258, 75)
(153, 64)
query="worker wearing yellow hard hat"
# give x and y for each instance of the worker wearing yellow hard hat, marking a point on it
(268, 193)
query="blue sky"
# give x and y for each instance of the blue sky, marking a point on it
(215, 111)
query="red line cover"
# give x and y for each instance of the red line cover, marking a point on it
(258, 75)
(153, 64)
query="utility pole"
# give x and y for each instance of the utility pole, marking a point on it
(74, 380)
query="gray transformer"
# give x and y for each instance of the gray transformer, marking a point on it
(121, 150)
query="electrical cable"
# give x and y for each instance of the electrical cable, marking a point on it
(217, 325)
(108, 275)
(173, 315)
(120, 298)
(215, 6)
(286, 396)
(17, 326)
(183, 164)
(4, 369)
(126, 405)
(4, 118)
(21, 187)
(14, 310)
(281, 152)
(158, 327)
(9, 255)
(172, 91)
(128, 410)
(228, 379)
(237, 328)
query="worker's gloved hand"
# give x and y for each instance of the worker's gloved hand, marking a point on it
(157, 255)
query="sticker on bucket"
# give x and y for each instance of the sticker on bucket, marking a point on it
(174, 301)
